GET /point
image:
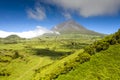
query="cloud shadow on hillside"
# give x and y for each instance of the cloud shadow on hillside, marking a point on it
(50, 53)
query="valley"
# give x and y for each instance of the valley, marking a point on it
(60, 56)
(21, 58)
(59, 39)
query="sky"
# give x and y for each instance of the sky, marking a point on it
(25, 16)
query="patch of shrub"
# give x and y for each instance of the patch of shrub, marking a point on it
(17, 55)
(103, 44)
(4, 72)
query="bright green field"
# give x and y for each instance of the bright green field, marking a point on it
(21, 60)
(20, 68)
(102, 66)
(42, 58)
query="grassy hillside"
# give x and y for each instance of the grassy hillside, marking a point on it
(23, 59)
(105, 65)
(73, 61)
(105, 60)
(49, 58)
(104, 43)
(19, 63)
(62, 66)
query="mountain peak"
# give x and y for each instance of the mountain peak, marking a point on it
(69, 26)
(72, 27)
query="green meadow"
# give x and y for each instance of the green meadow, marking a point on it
(105, 65)
(77, 57)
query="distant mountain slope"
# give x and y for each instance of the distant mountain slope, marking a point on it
(13, 37)
(72, 27)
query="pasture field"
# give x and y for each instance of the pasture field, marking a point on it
(61, 58)
(22, 59)
(97, 61)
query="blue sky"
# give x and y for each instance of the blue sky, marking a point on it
(24, 15)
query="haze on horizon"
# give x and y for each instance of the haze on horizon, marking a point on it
(22, 16)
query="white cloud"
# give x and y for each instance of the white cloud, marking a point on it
(4, 34)
(28, 34)
(38, 13)
(88, 8)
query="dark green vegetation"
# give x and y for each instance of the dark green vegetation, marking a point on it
(105, 65)
(59, 57)
(104, 43)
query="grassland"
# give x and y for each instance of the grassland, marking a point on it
(104, 61)
(19, 63)
(104, 65)
(77, 57)
(62, 66)
(24, 59)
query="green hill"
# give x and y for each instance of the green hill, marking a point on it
(105, 65)
(98, 61)
(55, 58)
(11, 39)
